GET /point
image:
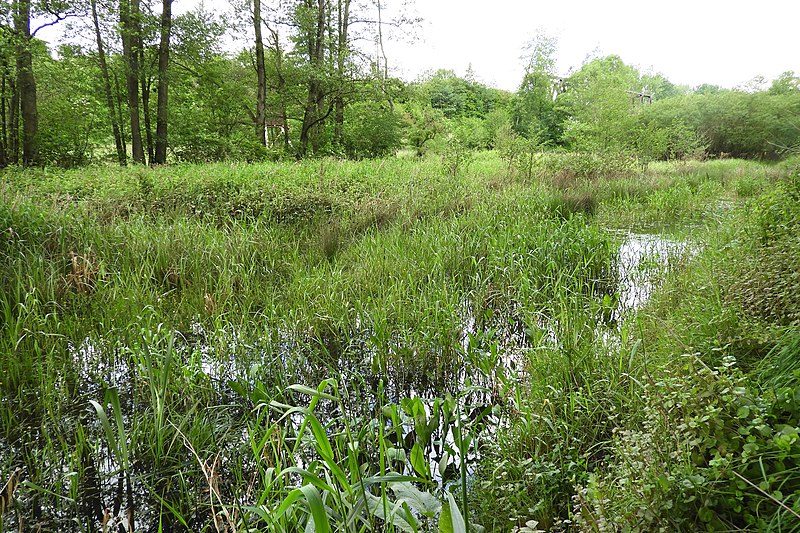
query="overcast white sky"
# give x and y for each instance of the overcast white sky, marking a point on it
(689, 41)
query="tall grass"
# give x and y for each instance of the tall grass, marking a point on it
(330, 345)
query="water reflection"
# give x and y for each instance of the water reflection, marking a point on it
(643, 261)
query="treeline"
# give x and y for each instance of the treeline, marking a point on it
(136, 84)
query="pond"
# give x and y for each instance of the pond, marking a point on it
(436, 418)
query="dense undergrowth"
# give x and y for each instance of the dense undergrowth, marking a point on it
(389, 345)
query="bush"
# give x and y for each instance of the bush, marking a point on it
(708, 454)
(205, 147)
(370, 131)
(769, 287)
(566, 169)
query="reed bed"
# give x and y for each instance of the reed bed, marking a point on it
(327, 345)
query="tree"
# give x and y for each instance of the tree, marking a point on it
(130, 30)
(659, 87)
(786, 83)
(163, 85)
(119, 142)
(26, 82)
(342, 53)
(260, 117)
(708, 88)
(371, 130)
(534, 112)
(423, 124)
(8, 97)
(598, 103)
(312, 20)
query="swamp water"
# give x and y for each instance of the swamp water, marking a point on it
(443, 412)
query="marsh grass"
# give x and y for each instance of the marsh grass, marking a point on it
(331, 344)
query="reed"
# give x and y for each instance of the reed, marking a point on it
(351, 346)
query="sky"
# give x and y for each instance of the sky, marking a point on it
(691, 42)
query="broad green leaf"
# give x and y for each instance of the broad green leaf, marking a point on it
(422, 502)
(314, 393)
(379, 506)
(451, 520)
(419, 462)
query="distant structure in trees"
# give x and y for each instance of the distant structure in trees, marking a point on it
(274, 126)
(640, 98)
(559, 85)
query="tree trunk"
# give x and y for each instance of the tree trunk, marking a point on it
(3, 116)
(13, 122)
(129, 22)
(281, 89)
(146, 85)
(163, 65)
(261, 74)
(316, 39)
(385, 73)
(120, 114)
(341, 59)
(26, 83)
(122, 157)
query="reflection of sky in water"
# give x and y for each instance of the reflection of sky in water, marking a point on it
(213, 357)
(643, 260)
(223, 355)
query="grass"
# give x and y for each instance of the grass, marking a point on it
(353, 345)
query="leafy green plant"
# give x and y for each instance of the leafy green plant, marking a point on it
(456, 156)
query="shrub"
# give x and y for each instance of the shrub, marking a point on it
(769, 287)
(708, 454)
(370, 131)
(566, 169)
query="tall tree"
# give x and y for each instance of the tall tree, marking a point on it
(260, 117)
(101, 58)
(342, 53)
(598, 102)
(26, 82)
(534, 113)
(163, 65)
(8, 149)
(130, 28)
(280, 85)
(314, 18)
(146, 85)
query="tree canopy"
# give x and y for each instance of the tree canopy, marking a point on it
(135, 84)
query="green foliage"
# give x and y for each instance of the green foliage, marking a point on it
(785, 84)
(665, 142)
(457, 154)
(370, 130)
(780, 369)
(659, 87)
(713, 455)
(70, 113)
(519, 153)
(567, 168)
(496, 122)
(535, 114)
(280, 379)
(423, 125)
(601, 117)
(733, 123)
(768, 284)
(457, 97)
